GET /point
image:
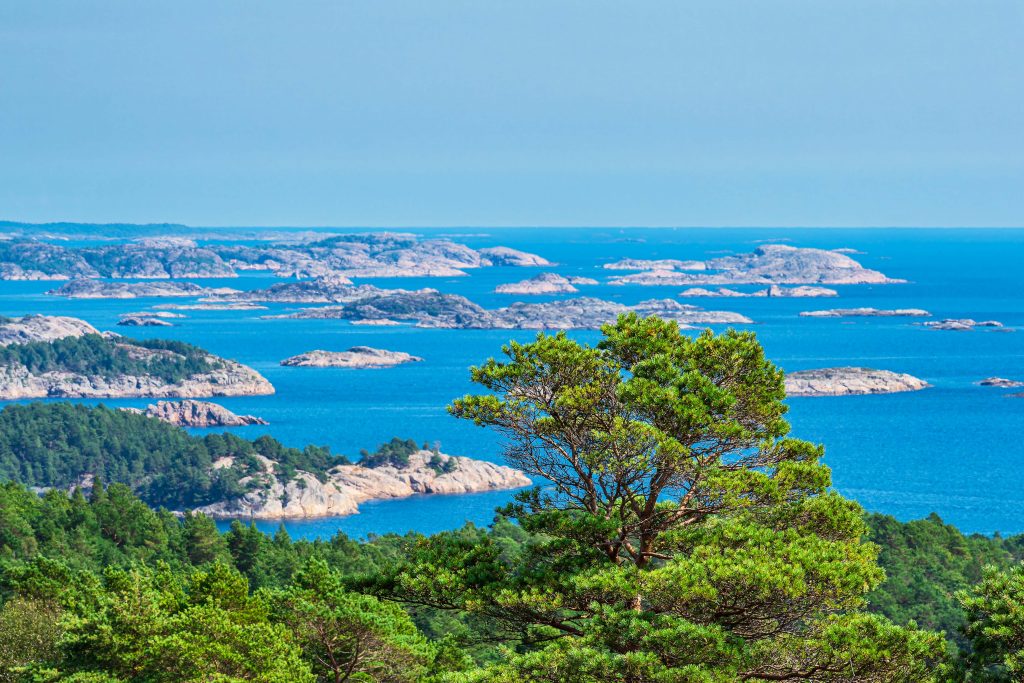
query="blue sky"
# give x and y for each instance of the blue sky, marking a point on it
(493, 112)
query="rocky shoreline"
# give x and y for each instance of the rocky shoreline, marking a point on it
(347, 255)
(355, 357)
(769, 264)
(850, 381)
(346, 486)
(867, 313)
(99, 289)
(961, 324)
(803, 291)
(430, 308)
(190, 413)
(545, 283)
(222, 377)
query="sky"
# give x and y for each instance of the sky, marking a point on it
(404, 113)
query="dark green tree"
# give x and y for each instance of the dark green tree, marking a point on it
(995, 625)
(347, 636)
(681, 535)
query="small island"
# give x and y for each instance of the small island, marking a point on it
(364, 255)
(768, 264)
(867, 313)
(355, 357)
(962, 324)
(398, 470)
(803, 291)
(137, 320)
(99, 289)
(850, 381)
(545, 283)
(430, 308)
(1001, 382)
(50, 357)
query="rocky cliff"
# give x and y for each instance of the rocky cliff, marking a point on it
(346, 486)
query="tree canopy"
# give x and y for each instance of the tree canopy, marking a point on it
(682, 535)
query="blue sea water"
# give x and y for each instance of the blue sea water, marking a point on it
(955, 449)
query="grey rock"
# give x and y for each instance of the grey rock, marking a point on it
(143, 321)
(867, 313)
(98, 289)
(355, 357)
(197, 414)
(347, 486)
(545, 283)
(849, 381)
(35, 328)
(768, 264)
(1001, 382)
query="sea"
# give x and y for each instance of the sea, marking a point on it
(955, 449)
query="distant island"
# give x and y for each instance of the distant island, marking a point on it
(545, 283)
(52, 356)
(355, 357)
(850, 381)
(367, 255)
(768, 264)
(430, 308)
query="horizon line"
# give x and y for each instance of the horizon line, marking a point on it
(20, 223)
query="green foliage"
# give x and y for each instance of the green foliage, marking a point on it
(151, 624)
(926, 562)
(995, 612)
(95, 355)
(442, 465)
(348, 636)
(394, 453)
(55, 444)
(29, 631)
(683, 536)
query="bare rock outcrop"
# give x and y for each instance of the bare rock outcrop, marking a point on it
(768, 264)
(355, 357)
(143, 321)
(850, 381)
(228, 378)
(545, 283)
(35, 328)
(210, 374)
(867, 313)
(803, 291)
(654, 264)
(346, 486)
(430, 308)
(961, 324)
(1001, 382)
(99, 289)
(190, 413)
(506, 256)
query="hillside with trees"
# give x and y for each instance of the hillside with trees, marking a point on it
(684, 537)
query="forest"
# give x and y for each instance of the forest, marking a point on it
(96, 355)
(681, 535)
